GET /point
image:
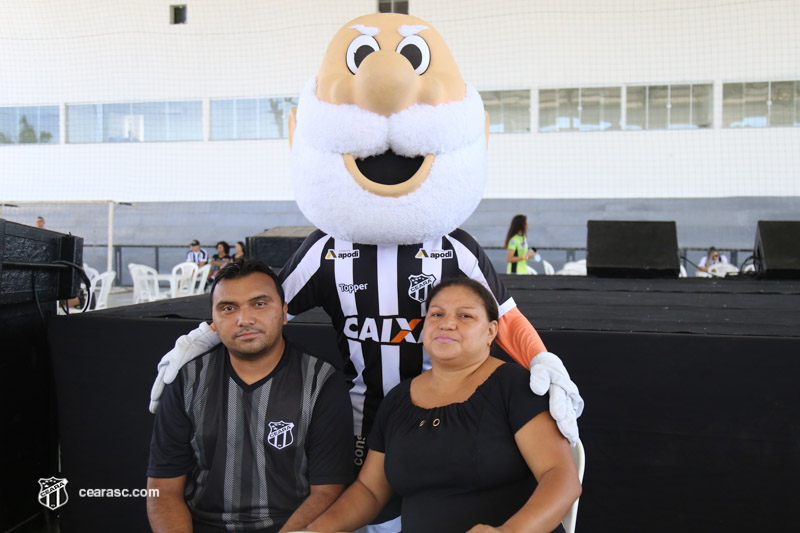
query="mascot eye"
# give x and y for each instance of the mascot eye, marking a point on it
(359, 49)
(416, 50)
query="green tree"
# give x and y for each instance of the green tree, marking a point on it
(28, 135)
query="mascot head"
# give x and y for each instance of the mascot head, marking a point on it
(388, 141)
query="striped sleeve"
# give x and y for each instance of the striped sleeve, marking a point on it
(298, 275)
(474, 263)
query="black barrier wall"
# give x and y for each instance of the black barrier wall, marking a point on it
(683, 431)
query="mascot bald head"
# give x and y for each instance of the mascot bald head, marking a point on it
(388, 141)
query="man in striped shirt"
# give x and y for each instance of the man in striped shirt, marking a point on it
(196, 254)
(253, 435)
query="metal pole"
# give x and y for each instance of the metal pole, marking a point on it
(110, 252)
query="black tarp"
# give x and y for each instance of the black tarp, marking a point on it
(692, 419)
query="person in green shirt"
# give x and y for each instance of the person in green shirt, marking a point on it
(517, 250)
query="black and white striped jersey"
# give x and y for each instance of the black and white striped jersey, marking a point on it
(375, 296)
(251, 452)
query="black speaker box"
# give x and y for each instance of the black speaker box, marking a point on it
(776, 254)
(275, 246)
(632, 249)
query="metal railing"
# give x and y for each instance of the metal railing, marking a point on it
(156, 255)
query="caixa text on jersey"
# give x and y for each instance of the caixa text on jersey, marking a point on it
(384, 330)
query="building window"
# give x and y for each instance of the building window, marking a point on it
(393, 6)
(251, 118)
(509, 111)
(581, 109)
(29, 125)
(177, 14)
(656, 107)
(135, 122)
(761, 104)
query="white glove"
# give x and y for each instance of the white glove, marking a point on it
(187, 347)
(548, 374)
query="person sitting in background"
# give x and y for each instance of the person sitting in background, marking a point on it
(40, 222)
(240, 250)
(712, 258)
(466, 442)
(516, 245)
(196, 254)
(220, 259)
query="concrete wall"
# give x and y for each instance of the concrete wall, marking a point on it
(85, 51)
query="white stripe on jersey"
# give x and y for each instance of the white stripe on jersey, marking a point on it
(468, 264)
(359, 390)
(390, 366)
(387, 280)
(304, 271)
(388, 305)
(343, 274)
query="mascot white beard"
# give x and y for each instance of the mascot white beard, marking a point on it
(332, 200)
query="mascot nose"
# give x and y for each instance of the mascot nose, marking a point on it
(385, 83)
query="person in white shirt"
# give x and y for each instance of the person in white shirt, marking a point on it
(712, 258)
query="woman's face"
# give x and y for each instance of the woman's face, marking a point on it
(220, 250)
(715, 256)
(239, 249)
(457, 327)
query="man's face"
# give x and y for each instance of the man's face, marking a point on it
(248, 315)
(195, 247)
(388, 141)
(40, 222)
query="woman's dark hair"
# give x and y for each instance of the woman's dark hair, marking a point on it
(517, 227)
(244, 248)
(479, 290)
(243, 267)
(225, 246)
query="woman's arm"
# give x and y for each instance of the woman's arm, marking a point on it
(361, 502)
(549, 457)
(511, 258)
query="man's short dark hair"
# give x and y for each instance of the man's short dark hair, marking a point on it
(243, 267)
(476, 287)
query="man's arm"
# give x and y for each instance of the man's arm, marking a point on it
(321, 497)
(168, 512)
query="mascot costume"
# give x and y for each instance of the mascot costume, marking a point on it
(388, 158)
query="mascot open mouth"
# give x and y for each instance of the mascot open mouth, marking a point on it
(389, 168)
(389, 174)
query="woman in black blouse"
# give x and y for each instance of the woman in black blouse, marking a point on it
(465, 443)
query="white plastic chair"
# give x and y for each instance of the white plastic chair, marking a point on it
(137, 276)
(548, 268)
(101, 288)
(683, 272)
(579, 455)
(91, 273)
(201, 278)
(145, 284)
(720, 270)
(183, 279)
(573, 268)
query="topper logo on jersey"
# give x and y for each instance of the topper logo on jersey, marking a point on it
(419, 285)
(341, 254)
(352, 287)
(434, 254)
(280, 434)
(384, 330)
